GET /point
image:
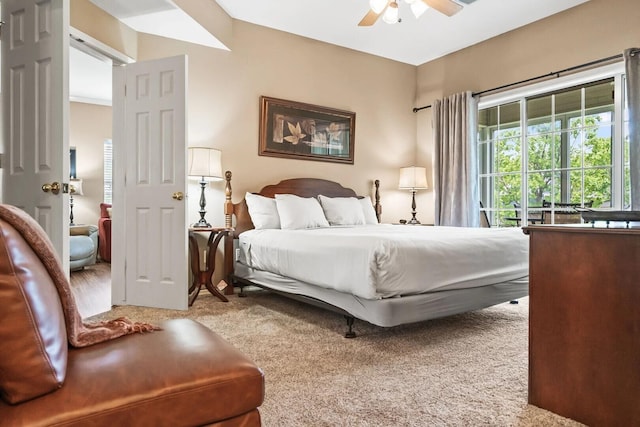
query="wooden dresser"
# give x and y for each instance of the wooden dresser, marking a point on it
(584, 323)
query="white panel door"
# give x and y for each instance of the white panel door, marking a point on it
(149, 252)
(35, 49)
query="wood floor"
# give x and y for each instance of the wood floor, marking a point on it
(92, 289)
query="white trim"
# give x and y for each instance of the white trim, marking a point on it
(118, 245)
(617, 176)
(85, 42)
(87, 100)
(563, 82)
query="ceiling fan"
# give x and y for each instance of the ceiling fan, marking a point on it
(389, 9)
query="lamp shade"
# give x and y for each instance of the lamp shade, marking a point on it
(75, 187)
(204, 162)
(413, 178)
(391, 15)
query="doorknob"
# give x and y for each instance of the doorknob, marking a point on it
(178, 195)
(54, 187)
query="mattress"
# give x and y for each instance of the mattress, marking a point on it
(386, 261)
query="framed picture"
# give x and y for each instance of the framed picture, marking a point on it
(296, 130)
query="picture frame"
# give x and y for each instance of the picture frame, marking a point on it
(295, 130)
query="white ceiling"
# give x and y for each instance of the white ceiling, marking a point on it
(412, 41)
(159, 17)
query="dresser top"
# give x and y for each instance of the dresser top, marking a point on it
(599, 227)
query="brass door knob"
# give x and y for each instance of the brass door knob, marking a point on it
(178, 195)
(54, 187)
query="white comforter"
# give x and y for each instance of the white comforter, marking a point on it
(381, 261)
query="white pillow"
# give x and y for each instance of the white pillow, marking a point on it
(342, 210)
(300, 212)
(263, 211)
(368, 211)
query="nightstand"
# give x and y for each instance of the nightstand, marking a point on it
(205, 276)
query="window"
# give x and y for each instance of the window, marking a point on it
(72, 163)
(108, 171)
(560, 147)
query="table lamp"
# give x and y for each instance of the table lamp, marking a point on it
(413, 178)
(204, 163)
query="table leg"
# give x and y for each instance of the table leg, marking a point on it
(207, 274)
(194, 252)
(204, 277)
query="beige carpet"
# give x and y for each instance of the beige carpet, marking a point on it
(464, 370)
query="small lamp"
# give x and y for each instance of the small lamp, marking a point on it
(204, 163)
(413, 178)
(75, 189)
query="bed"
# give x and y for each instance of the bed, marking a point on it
(383, 274)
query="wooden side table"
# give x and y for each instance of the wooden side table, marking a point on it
(205, 276)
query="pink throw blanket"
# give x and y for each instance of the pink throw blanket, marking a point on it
(79, 334)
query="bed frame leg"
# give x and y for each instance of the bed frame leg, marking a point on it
(239, 284)
(513, 302)
(242, 294)
(350, 333)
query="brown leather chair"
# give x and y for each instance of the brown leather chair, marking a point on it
(182, 375)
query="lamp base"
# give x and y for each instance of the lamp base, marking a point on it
(203, 203)
(71, 210)
(413, 220)
(201, 224)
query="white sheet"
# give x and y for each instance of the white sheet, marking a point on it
(382, 261)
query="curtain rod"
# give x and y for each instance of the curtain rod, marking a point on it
(544, 76)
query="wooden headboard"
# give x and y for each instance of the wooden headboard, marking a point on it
(303, 187)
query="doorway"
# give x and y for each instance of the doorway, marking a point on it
(90, 133)
(152, 121)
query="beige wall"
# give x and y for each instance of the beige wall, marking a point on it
(224, 91)
(89, 126)
(596, 29)
(91, 20)
(224, 88)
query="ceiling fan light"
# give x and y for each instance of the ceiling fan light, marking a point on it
(391, 14)
(378, 5)
(418, 8)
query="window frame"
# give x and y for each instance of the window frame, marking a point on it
(107, 177)
(614, 71)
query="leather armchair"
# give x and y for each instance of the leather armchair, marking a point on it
(104, 232)
(184, 374)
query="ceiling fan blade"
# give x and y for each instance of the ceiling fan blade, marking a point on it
(448, 7)
(370, 18)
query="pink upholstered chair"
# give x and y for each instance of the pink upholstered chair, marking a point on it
(104, 232)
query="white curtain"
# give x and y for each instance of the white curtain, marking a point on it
(632, 65)
(456, 164)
